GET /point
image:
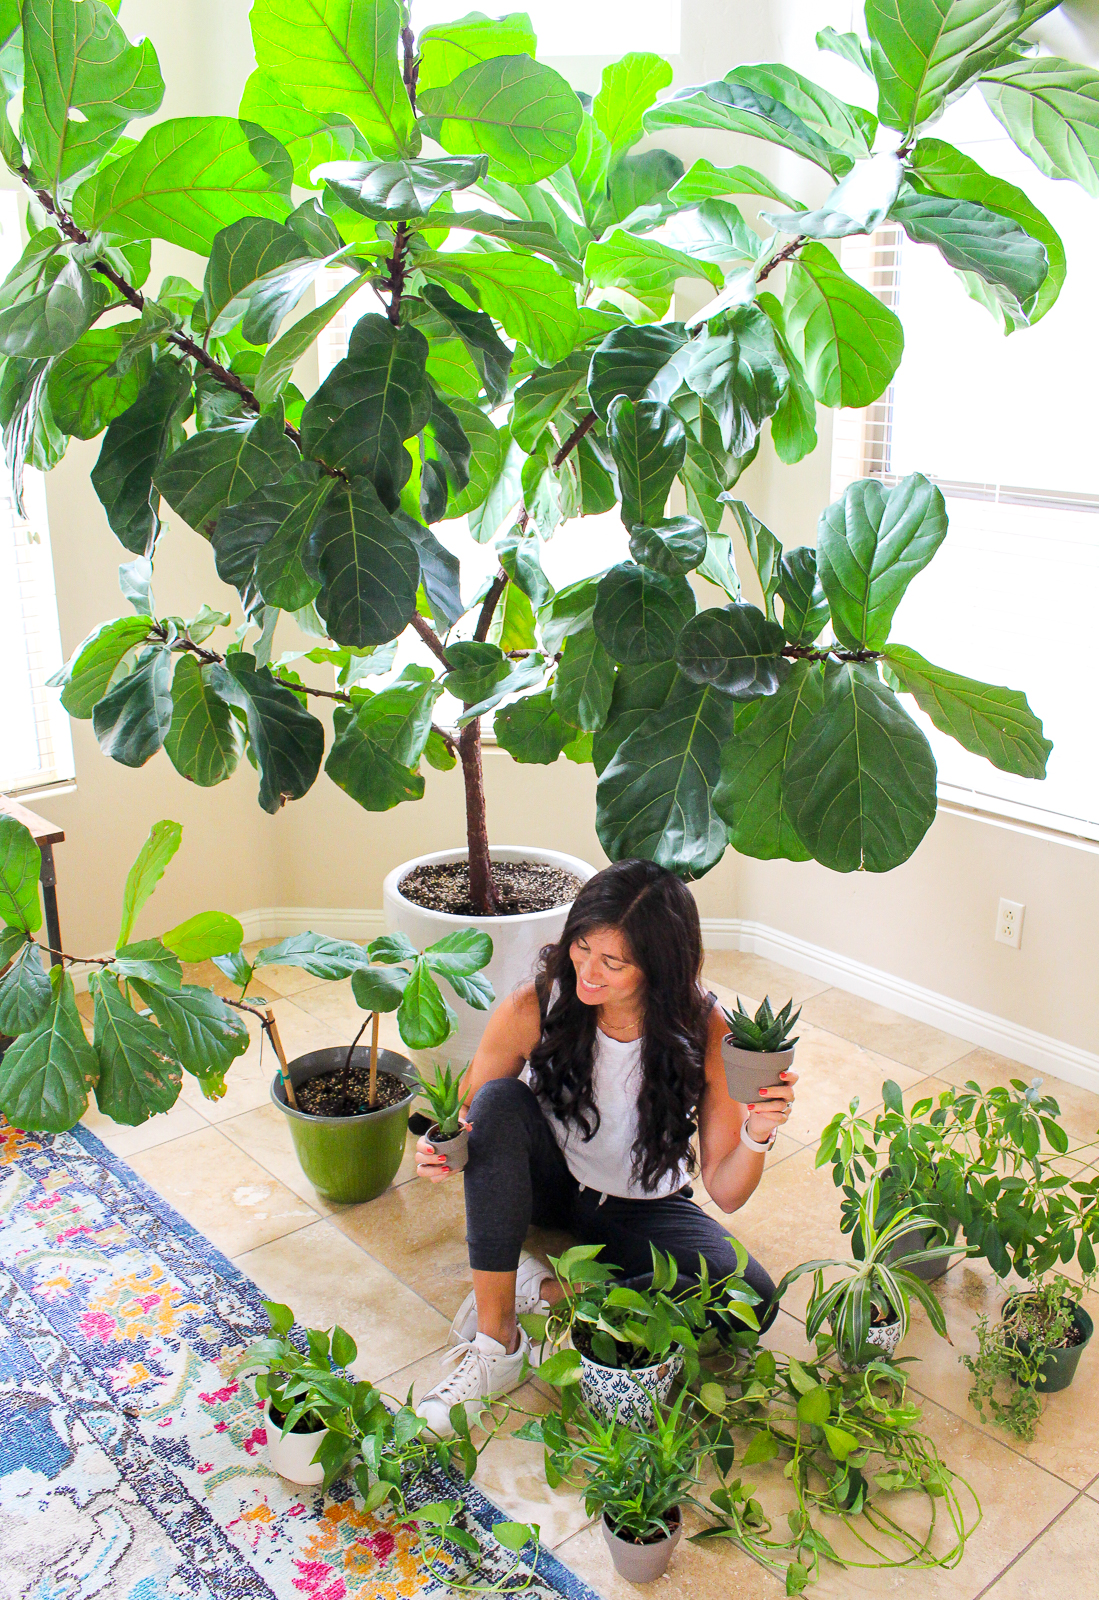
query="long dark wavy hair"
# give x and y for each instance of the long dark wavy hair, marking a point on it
(655, 913)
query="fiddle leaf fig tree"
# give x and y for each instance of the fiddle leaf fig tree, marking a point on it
(516, 370)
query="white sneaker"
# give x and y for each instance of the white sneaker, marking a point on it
(528, 1287)
(482, 1368)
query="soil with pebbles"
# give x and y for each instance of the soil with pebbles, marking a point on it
(521, 886)
(336, 1094)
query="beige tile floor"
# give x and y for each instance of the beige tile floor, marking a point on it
(394, 1271)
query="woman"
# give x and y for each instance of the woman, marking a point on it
(584, 1096)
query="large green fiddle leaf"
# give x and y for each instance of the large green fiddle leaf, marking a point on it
(585, 681)
(848, 46)
(83, 82)
(257, 271)
(448, 48)
(132, 450)
(938, 168)
(132, 719)
(220, 466)
(329, 959)
(448, 319)
(20, 867)
(517, 111)
(764, 550)
(860, 779)
(794, 423)
(517, 676)
(643, 269)
(203, 936)
(445, 457)
(47, 300)
(340, 57)
(750, 795)
(846, 128)
(531, 731)
(425, 1019)
(46, 1074)
(638, 187)
(858, 203)
(520, 234)
(87, 390)
(639, 613)
(376, 748)
(396, 191)
(704, 181)
(84, 679)
(279, 361)
(737, 369)
(372, 401)
(638, 692)
(139, 1073)
(528, 297)
(974, 239)
(649, 445)
(440, 572)
(641, 363)
(487, 448)
(655, 798)
(367, 772)
(187, 179)
(804, 608)
(261, 544)
(25, 991)
(734, 648)
(925, 52)
(368, 567)
(286, 741)
(148, 869)
(847, 341)
(30, 434)
(203, 741)
(674, 547)
(379, 988)
(548, 392)
(1049, 107)
(992, 722)
(734, 106)
(309, 137)
(206, 1035)
(870, 545)
(628, 89)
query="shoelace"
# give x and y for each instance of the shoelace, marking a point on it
(458, 1357)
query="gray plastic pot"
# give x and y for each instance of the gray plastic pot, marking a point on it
(749, 1071)
(913, 1239)
(642, 1563)
(348, 1159)
(456, 1148)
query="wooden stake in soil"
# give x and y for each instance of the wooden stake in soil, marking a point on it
(376, 1024)
(273, 1032)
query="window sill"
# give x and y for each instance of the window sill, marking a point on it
(40, 791)
(1073, 831)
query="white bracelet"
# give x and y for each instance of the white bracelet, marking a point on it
(754, 1144)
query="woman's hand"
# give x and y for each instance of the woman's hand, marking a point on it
(773, 1109)
(431, 1165)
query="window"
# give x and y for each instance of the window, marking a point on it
(35, 746)
(1005, 425)
(579, 27)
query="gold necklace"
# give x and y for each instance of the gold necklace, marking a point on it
(638, 1028)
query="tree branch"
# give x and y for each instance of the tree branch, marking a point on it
(582, 427)
(430, 637)
(784, 255)
(811, 652)
(488, 607)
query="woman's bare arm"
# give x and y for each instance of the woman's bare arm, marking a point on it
(511, 1034)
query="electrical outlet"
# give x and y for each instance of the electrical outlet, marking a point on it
(1009, 923)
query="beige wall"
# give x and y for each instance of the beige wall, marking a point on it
(930, 922)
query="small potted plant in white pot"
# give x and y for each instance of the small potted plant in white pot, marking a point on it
(296, 1390)
(757, 1050)
(447, 1135)
(867, 1307)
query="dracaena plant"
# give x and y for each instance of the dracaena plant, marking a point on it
(517, 373)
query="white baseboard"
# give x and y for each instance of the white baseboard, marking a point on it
(1049, 1056)
(1039, 1051)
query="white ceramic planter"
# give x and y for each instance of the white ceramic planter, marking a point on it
(292, 1456)
(624, 1392)
(641, 1563)
(516, 941)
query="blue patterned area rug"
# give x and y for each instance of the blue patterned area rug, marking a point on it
(132, 1464)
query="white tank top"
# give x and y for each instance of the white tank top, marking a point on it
(605, 1162)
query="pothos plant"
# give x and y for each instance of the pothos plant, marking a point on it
(518, 372)
(150, 1026)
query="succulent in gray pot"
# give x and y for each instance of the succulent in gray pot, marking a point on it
(757, 1050)
(448, 1134)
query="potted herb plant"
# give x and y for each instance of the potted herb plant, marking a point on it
(631, 1340)
(636, 1479)
(348, 1106)
(523, 277)
(867, 1308)
(757, 1050)
(447, 1133)
(1033, 1349)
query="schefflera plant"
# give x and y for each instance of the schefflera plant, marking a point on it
(517, 373)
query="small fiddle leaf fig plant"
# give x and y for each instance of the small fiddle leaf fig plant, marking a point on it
(767, 1032)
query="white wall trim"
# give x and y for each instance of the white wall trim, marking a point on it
(1040, 1051)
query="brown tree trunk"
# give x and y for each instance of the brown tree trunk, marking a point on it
(481, 889)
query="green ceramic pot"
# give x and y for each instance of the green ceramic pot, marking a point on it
(1058, 1367)
(347, 1159)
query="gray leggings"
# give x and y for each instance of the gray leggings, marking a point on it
(517, 1176)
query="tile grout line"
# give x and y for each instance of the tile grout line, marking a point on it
(1080, 1495)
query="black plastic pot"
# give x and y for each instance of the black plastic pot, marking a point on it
(1058, 1367)
(913, 1239)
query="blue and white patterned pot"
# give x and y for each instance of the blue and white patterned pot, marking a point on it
(886, 1336)
(624, 1392)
